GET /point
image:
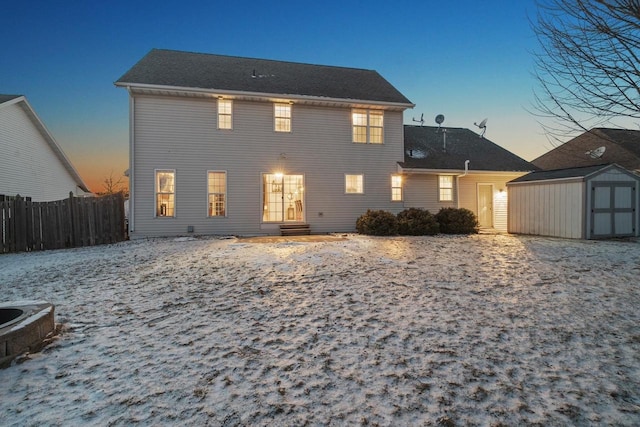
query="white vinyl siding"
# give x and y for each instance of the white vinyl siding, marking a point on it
(178, 133)
(421, 191)
(29, 166)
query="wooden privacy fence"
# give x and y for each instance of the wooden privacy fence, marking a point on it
(72, 222)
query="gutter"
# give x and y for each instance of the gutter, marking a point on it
(466, 172)
(132, 174)
(274, 97)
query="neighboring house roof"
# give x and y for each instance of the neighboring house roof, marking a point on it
(6, 98)
(24, 104)
(568, 173)
(621, 146)
(170, 68)
(425, 148)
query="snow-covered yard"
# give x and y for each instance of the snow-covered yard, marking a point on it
(480, 330)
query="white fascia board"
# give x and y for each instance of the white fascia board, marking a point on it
(272, 97)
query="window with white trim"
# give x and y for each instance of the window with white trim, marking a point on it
(225, 114)
(445, 188)
(368, 126)
(354, 184)
(396, 188)
(217, 193)
(282, 117)
(165, 193)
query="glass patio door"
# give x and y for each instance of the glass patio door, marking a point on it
(282, 198)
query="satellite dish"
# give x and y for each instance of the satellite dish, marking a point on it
(439, 120)
(421, 121)
(483, 126)
(596, 153)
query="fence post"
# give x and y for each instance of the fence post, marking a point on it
(20, 224)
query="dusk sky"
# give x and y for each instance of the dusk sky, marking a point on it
(466, 59)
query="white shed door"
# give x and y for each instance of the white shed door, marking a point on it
(612, 209)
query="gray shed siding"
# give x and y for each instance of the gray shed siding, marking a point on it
(180, 133)
(29, 166)
(547, 209)
(570, 208)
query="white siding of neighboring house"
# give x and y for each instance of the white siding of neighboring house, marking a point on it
(181, 133)
(421, 191)
(547, 209)
(28, 165)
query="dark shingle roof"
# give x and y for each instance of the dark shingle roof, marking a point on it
(230, 73)
(621, 146)
(580, 172)
(424, 149)
(6, 98)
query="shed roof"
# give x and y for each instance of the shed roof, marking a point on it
(173, 68)
(580, 172)
(424, 148)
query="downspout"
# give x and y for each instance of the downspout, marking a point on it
(466, 171)
(132, 174)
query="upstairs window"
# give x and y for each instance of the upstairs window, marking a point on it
(354, 184)
(282, 117)
(217, 193)
(396, 188)
(165, 193)
(368, 126)
(225, 114)
(445, 188)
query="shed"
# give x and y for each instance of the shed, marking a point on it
(590, 202)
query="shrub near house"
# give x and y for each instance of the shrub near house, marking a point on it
(418, 222)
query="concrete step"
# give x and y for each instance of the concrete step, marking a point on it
(295, 229)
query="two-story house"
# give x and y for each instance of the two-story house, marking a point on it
(230, 145)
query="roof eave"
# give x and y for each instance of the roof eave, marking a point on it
(458, 171)
(266, 96)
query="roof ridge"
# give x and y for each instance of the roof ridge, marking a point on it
(264, 59)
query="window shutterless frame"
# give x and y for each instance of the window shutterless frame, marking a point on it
(445, 188)
(281, 117)
(216, 194)
(396, 188)
(225, 114)
(165, 192)
(353, 183)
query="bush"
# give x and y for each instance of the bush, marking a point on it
(457, 221)
(377, 223)
(417, 222)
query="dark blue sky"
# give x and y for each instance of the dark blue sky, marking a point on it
(466, 59)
